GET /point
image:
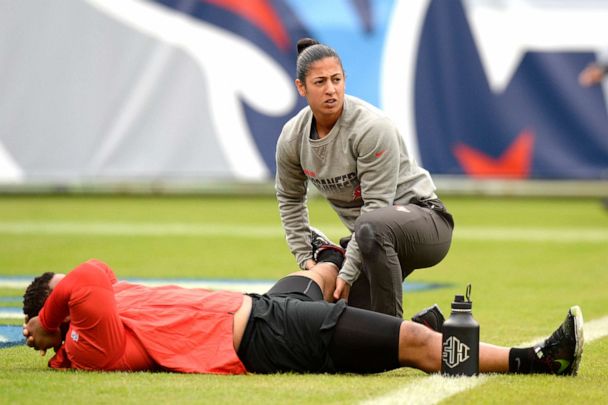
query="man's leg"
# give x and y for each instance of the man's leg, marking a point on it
(322, 274)
(368, 342)
(560, 353)
(319, 281)
(420, 347)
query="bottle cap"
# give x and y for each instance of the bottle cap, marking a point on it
(460, 303)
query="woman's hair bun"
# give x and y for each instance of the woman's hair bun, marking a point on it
(304, 43)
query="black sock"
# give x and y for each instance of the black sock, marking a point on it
(332, 256)
(529, 361)
(521, 361)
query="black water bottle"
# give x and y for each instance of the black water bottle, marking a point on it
(460, 343)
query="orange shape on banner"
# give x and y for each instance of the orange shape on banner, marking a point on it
(261, 13)
(514, 163)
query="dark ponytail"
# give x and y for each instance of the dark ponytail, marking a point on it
(310, 51)
(304, 43)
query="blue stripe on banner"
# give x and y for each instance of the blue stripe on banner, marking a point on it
(10, 299)
(11, 335)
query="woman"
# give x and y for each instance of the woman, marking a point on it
(358, 161)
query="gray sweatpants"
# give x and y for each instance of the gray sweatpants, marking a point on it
(394, 241)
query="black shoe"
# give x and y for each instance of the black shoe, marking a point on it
(318, 239)
(561, 352)
(324, 250)
(430, 317)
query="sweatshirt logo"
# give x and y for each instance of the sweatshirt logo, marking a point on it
(334, 184)
(74, 335)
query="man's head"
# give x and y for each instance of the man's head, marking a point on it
(36, 294)
(34, 298)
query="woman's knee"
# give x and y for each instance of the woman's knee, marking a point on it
(367, 231)
(371, 230)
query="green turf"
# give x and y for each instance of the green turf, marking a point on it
(521, 289)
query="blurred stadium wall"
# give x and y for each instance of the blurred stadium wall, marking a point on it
(174, 95)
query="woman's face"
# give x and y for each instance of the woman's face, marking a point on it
(324, 88)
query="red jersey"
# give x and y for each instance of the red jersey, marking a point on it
(123, 326)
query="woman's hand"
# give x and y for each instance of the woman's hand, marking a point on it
(342, 289)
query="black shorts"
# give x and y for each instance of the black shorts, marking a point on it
(291, 329)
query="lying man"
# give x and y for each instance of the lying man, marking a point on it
(94, 322)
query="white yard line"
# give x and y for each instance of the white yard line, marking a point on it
(436, 388)
(135, 229)
(531, 234)
(4, 314)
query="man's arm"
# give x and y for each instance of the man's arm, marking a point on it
(56, 309)
(43, 332)
(96, 334)
(107, 271)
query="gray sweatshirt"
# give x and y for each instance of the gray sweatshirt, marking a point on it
(360, 166)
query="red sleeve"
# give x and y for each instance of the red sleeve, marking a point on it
(96, 336)
(89, 274)
(104, 268)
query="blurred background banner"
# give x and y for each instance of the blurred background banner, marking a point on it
(132, 91)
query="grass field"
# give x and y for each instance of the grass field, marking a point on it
(527, 259)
